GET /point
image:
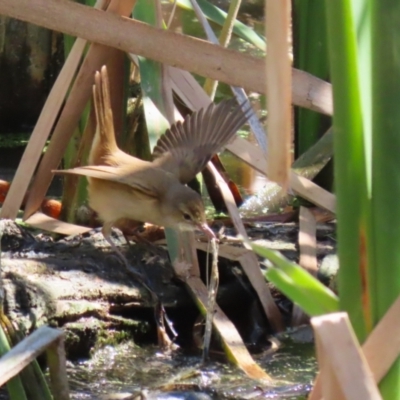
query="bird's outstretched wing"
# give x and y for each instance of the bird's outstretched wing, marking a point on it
(187, 146)
(141, 176)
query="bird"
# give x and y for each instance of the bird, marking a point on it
(124, 188)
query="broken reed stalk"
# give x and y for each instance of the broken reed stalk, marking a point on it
(380, 349)
(14, 361)
(345, 373)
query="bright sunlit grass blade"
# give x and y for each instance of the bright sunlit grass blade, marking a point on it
(385, 230)
(362, 21)
(350, 171)
(308, 302)
(296, 283)
(365, 66)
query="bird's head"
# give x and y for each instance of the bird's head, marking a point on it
(185, 207)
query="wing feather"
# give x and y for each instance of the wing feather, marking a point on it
(141, 176)
(187, 146)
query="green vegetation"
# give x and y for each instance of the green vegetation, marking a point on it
(11, 140)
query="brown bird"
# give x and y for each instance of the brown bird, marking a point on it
(122, 187)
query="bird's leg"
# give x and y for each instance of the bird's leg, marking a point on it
(128, 242)
(134, 233)
(127, 227)
(106, 231)
(131, 230)
(135, 274)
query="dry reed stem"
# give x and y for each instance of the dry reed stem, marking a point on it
(308, 255)
(312, 192)
(42, 221)
(13, 362)
(57, 362)
(347, 364)
(329, 384)
(115, 68)
(307, 189)
(167, 47)
(278, 82)
(381, 348)
(308, 241)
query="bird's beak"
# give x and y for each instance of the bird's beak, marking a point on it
(207, 230)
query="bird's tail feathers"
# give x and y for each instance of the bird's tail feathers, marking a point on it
(104, 142)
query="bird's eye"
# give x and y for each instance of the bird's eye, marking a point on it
(187, 217)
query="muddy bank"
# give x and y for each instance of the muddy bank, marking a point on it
(78, 284)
